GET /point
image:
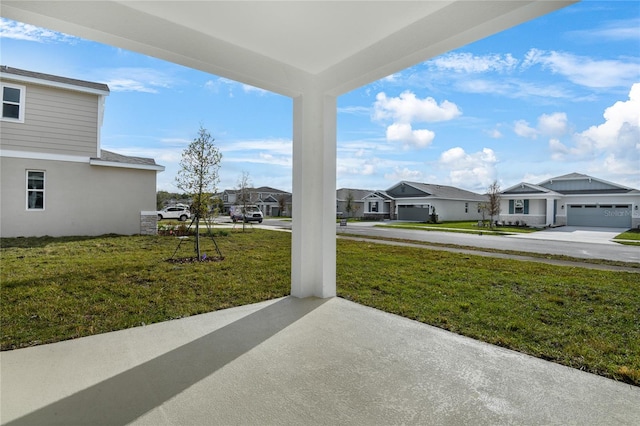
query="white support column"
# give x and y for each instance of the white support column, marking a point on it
(313, 245)
(549, 220)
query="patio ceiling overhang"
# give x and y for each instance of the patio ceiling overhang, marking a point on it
(311, 51)
(279, 45)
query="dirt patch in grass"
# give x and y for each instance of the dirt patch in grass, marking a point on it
(182, 260)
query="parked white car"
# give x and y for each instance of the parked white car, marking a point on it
(251, 214)
(180, 212)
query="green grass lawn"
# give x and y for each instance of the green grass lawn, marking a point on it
(631, 237)
(465, 226)
(63, 288)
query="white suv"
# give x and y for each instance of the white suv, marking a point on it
(179, 212)
(251, 214)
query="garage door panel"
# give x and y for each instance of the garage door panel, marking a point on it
(614, 216)
(413, 213)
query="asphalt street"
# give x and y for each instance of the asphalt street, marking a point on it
(581, 247)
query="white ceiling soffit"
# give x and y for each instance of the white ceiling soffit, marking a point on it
(283, 46)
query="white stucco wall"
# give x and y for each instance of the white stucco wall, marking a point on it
(80, 199)
(537, 215)
(453, 210)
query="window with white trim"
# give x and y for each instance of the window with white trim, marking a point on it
(35, 190)
(518, 206)
(12, 102)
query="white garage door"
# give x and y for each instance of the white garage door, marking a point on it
(610, 216)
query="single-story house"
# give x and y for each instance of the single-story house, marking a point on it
(418, 201)
(365, 203)
(574, 199)
(55, 179)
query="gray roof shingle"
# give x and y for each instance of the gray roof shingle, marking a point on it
(119, 158)
(54, 78)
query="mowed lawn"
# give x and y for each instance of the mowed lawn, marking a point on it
(56, 289)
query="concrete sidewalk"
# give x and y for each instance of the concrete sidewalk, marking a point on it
(574, 234)
(299, 361)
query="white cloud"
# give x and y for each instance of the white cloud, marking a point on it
(127, 85)
(145, 80)
(282, 160)
(180, 142)
(536, 178)
(19, 31)
(558, 150)
(355, 110)
(585, 71)
(356, 166)
(402, 132)
(614, 144)
(622, 30)
(513, 88)
(523, 129)
(473, 64)
(392, 78)
(474, 171)
(216, 84)
(407, 108)
(553, 125)
(276, 146)
(405, 173)
(252, 89)
(494, 133)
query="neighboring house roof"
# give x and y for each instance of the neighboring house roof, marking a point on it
(108, 158)
(528, 188)
(567, 177)
(268, 189)
(35, 77)
(570, 184)
(435, 191)
(262, 189)
(358, 194)
(379, 194)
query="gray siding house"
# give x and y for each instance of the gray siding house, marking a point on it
(412, 201)
(365, 204)
(55, 178)
(574, 199)
(417, 201)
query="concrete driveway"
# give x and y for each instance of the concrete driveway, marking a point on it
(576, 234)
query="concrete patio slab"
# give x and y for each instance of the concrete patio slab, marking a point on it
(298, 361)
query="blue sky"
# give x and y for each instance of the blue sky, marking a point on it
(556, 95)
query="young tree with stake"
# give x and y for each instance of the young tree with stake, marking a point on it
(493, 204)
(198, 176)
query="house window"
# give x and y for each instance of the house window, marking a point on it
(35, 190)
(519, 206)
(13, 102)
(373, 206)
(466, 207)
